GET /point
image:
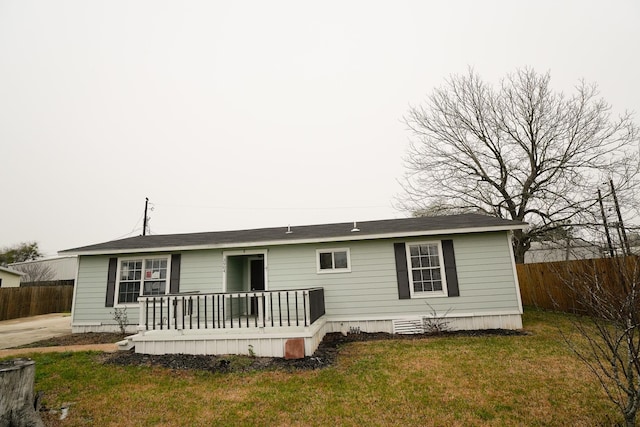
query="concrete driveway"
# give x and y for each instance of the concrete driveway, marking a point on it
(26, 330)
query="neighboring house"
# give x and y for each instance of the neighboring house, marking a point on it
(54, 268)
(9, 278)
(562, 250)
(269, 291)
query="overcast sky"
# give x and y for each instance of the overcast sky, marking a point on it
(242, 114)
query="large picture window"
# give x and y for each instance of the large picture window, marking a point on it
(146, 276)
(426, 267)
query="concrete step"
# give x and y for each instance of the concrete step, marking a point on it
(126, 344)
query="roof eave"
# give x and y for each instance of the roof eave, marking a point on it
(345, 238)
(10, 271)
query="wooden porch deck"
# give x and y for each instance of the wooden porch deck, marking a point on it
(254, 323)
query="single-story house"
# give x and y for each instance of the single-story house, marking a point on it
(272, 290)
(9, 278)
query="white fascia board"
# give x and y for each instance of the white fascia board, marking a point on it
(354, 237)
(53, 258)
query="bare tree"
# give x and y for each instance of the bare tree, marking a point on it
(520, 151)
(608, 339)
(36, 272)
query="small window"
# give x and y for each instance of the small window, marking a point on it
(333, 260)
(426, 269)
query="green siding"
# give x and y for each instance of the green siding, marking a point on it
(201, 271)
(485, 274)
(235, 274)
(91, 291)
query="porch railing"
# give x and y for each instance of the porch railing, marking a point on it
(259, 309)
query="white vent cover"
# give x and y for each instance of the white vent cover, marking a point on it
(408, 326)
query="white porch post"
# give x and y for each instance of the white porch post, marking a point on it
(307, 307)
(261, 307)
(142, 314)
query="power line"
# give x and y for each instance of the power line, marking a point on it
(133, 230)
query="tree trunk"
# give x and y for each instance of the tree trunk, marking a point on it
(521, 245)
(518, 255)
(16, 394)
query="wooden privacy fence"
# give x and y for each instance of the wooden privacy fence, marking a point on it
(34, 300)
(545, 284)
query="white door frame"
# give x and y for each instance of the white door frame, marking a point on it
(248, 253)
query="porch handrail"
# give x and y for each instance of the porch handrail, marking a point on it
(250, 309)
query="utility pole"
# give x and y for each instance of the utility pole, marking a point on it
(606, 227)
(626, 250)
(144, 222)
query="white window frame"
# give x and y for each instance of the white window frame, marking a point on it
(143, 258)
(427, 294)
(333, 269)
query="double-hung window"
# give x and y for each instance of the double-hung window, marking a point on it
(333, 260)
(426, 269)
(143, 276)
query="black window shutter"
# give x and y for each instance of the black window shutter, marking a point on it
(402, 271)
(111, 282)
(174, 281)
(450, 268)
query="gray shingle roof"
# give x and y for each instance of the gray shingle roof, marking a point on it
(464, 223)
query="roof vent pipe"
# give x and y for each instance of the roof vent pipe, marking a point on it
(355, 227)
(288, 230)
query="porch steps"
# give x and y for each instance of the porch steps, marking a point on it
(127, 343)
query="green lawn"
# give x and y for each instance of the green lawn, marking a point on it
(442, 381)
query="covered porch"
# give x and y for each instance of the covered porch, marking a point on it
(260, 323)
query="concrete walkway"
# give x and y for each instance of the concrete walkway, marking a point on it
(26, 330)
(16, 332)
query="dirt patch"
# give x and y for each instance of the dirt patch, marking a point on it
(78, 339)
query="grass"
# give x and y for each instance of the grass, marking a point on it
(454, 381)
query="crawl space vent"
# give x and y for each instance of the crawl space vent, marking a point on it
(408, 326)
